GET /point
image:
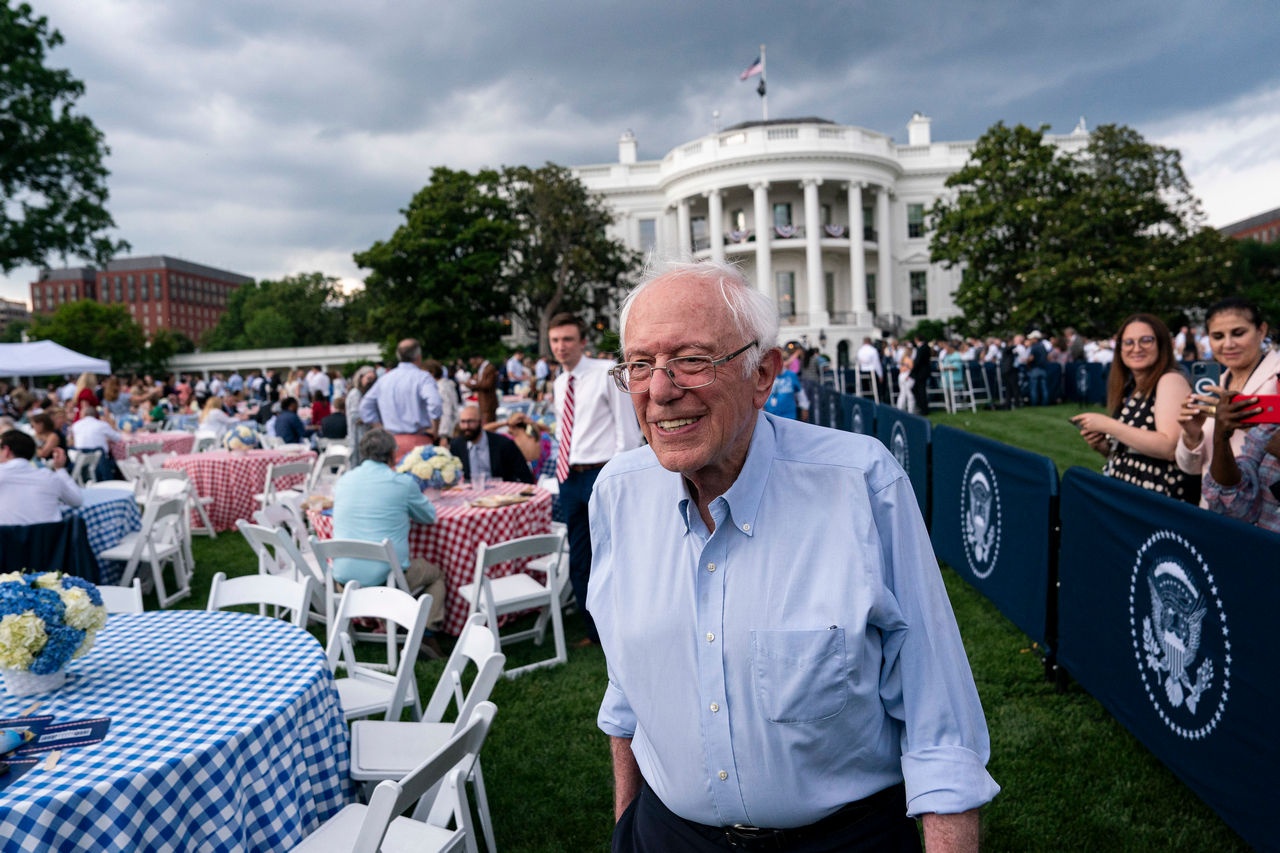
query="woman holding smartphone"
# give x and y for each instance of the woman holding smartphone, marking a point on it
(1236, 334)
(1144, 392)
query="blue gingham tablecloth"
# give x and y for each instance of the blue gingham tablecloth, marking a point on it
(110, 514)
(226, 735)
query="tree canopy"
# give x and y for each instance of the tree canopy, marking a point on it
(95, 329)
(296, 311)
(53, 184)
(1050, 238)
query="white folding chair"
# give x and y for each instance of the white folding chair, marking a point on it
(519, 592)
(142, 448)
(158, 543)
(437, 788)
(155, 461)
(325, 550)
(278, 555)
(164, 484)
(284, 593)
(85, 468)
(278, 472)
(122, 599)
(328, 468)
(205, 441)
(388, 749)
(365, 690)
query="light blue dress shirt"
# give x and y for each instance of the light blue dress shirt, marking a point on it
(403, 400)
(802, 656)
(373, 502)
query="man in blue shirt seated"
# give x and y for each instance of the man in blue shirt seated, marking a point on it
(372, 502)
(288, 425)
(785, 671)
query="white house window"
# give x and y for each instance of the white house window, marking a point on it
(919, 293)
(785, 285)
(915, 220)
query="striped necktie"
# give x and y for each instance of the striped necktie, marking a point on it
(565, 434)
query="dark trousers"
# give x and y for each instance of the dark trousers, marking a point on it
(648, 826)
(921, 392)
(575, 491)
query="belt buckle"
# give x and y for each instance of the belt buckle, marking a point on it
(746, 836)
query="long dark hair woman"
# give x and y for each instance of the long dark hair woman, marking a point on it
(1236, 335)
(1145, 392)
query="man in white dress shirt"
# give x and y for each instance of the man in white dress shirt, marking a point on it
(31, 495)
(603, 425)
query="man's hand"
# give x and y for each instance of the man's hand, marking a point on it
(58, 460)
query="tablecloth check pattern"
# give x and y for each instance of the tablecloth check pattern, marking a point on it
(174, 442)
(453, 540)
(232, 478)
(226, 736)
(110, 515)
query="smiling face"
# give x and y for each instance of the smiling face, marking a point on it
(1236, 341)
(567, 345)
(1140, 357)
(702, 433)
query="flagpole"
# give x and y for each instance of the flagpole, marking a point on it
(764, 97)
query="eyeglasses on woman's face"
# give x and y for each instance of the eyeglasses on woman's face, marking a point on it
(1145, 342)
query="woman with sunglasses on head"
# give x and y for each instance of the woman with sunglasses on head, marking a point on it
(1236, 335)
(1144, 395)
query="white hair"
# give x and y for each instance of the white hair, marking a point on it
(754, 316)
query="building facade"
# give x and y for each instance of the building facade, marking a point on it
(13, 311)
(160, 292)
(828, 220)
(1265, 228)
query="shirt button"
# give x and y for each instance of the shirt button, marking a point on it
(723, 775)
(711, 638)
(746, 527)
(711, 567)
(715, 707)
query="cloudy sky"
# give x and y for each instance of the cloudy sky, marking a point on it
(272, 137)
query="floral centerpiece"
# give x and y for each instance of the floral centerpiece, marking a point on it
(46, 619)
(431, 466)
(240, 437)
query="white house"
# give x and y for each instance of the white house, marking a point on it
(827, 219)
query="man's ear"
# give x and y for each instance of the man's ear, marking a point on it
(770, 367)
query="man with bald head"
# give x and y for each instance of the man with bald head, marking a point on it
(405, 401)
(785, 672)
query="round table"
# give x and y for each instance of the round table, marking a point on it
(232, 478)
(458, 532)
(226, 735)
(109, 514)
(172, 441)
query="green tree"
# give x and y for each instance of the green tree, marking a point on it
(53, 185)
(442, 277)
(296, 311)
(1050, 239)
(12, 332)
(1254, 273)
(563, 259)
(94, 329)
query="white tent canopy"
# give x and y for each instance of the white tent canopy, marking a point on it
(46, 358)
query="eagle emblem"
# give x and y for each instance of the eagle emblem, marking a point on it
(1171, 635)
(980, 508)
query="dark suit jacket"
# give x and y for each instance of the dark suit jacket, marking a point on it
(921, 363)
(506, 462)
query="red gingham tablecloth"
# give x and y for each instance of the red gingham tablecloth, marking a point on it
(174, 441)
(459, 530)
(232, 478)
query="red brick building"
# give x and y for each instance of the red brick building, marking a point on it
(1265, 227)
(160, 292)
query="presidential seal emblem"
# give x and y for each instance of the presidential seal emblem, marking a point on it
(980, 517)
(833, 411)
(856, 422)
(1082, 381)
(898, 445)
(1180, 639)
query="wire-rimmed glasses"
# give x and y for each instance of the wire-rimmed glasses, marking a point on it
(686, 371)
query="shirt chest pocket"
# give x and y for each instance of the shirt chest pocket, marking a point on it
(800, 676)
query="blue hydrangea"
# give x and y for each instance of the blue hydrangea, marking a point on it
(18, 597)
(71, 581)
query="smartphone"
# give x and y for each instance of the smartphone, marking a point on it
(1204, 374)
(1270, 413)
(1074, 424)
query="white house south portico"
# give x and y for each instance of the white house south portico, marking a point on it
(826, 219)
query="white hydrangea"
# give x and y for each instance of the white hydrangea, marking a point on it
(22, 637)
(82, 613)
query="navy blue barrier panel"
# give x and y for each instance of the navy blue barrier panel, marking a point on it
(859, 414)
(993, 508)
(827, 408)
(907, 437)
(1166, 614)
(1086, 382)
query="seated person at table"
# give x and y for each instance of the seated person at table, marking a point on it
(372, 502)
(288, 425)
(335, 425)
(533, 440)
(92, 433)
(488, 453)
(31, 495)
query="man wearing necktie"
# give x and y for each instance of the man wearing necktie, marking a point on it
(595, 421)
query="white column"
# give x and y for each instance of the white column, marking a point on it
(684, 241)
(715, 224)
(884, 279)
(816, 287)
(764, 238)
(857, 252)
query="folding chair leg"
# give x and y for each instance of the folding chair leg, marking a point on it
(482, 806)
(205, 527)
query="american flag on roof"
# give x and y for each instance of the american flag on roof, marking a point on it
(756, 67)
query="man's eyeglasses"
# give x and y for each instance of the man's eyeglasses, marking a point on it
(687, 371)
(1144, 342)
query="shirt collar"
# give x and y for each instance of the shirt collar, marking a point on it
(741, 503)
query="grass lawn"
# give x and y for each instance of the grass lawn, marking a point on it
(1073, 778)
